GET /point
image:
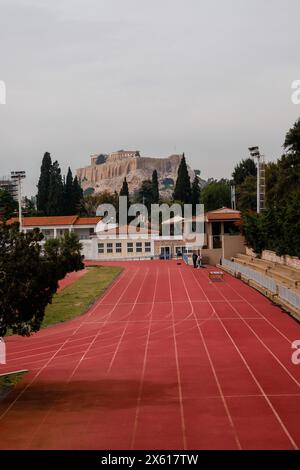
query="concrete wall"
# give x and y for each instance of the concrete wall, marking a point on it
(232, 245)
(212, 256)
(82, 233)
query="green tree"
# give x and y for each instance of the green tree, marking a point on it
(253, 230)
(90, 203)
(243, 170)
(77, 195)
(216, 194)
(68, 194)
(182, 191)
(8, 206)
(292, 139)
(124, 190)
(145, 194)
(42, 198)
(29, 209)
(195, 192)
(29, 276)
(155, 188)
(278, 227)
(56, 192)
(246, 194)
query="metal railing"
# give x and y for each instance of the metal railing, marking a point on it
(255, 276)
(289, 296)
(284, 293)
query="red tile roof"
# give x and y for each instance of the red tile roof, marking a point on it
(87, 220)
(223, 214)
(56, 221)
(46, 221)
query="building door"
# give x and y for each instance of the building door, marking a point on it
(217, 237)
(165, 252)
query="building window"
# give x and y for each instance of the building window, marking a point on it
(183, 250)
(148, 247)
(180, 250)
(118, 247)
(100, 247)
(109, 248)
(92, 232)
(139, 247)
(129, 247)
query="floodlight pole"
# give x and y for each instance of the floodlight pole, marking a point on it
(20, 204)
(18, 176)
(255, 153)
(258, 184)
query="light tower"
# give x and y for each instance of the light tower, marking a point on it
(261, 178)
(17, 177)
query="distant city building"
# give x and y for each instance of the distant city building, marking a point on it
(7, 184)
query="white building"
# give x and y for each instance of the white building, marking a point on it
(221, 237)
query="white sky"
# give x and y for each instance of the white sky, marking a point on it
(209, 78)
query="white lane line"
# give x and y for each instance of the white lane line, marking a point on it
(229, 417)
(284, 428)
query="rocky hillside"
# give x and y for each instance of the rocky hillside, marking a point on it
(107, 172)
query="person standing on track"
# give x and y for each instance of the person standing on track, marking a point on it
(199, 260)
(195, 257)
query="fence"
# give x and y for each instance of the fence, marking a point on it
(289, 296)
(259, 278)
(283, 293)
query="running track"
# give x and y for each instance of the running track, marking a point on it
(164, 360)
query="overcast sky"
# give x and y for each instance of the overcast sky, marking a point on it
(209, 78)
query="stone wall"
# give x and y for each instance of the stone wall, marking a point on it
(290, 261)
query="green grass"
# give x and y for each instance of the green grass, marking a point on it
(8, 381)
(76, 298)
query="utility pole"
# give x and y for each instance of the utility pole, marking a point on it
(17, 177)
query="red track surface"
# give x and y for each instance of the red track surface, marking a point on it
(70, 278)
(164, 360)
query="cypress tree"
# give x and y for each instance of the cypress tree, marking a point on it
(155, 188)
(124, 190)
(77, 195)
(56, 191)
(182, 191)
(195, 191)
(42, 198)
(68, 194)
(122, 217)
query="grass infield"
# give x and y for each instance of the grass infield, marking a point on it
(76, 298)
(8, 381)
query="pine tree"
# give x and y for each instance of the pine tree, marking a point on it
(182, 190)
(195, 192)
(77, 195)
(42, 198)
(56, 192)
(155, 188)
(68, 194)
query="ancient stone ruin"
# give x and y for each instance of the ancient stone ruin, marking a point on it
(107, 172)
